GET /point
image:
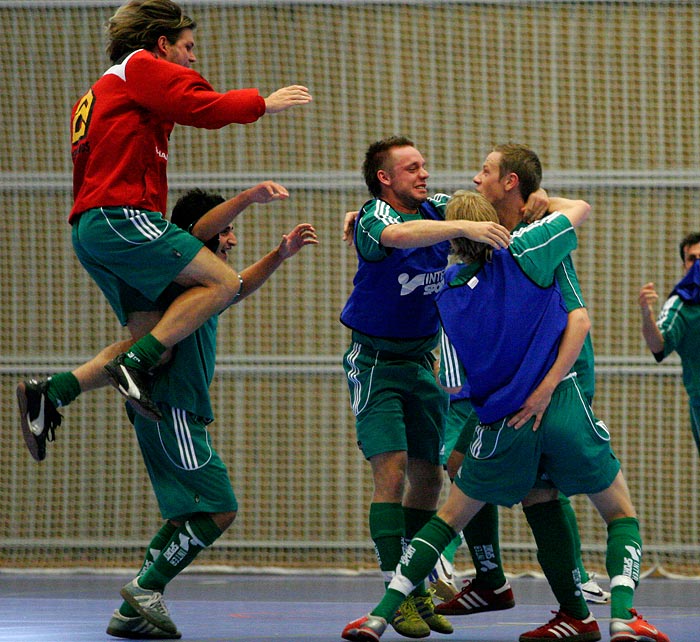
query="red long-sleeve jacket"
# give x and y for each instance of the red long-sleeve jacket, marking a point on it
(120, 129)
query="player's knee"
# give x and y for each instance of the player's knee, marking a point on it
(224, 520)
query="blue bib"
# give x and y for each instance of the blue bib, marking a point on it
(394, 298)
(506, 331)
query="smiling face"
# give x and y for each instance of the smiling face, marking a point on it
(227, 241)
(404, 179)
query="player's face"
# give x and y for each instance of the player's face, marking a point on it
(488, 182)
(227, 241)
(692, 254)
(182, 52)
(405, 178)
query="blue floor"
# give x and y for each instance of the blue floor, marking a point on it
(260, 608)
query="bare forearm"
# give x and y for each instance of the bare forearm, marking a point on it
(423, 233)
(652, 335)
(577, 328)
(255, 275)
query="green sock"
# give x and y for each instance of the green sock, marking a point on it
(555, 553)
(184, 545)
(159, 541)
(415, 519)
(573, 525)
(481, 535)
(145, 353)
(62, 389)
(386, 528)
(623, 562)
(418, 560)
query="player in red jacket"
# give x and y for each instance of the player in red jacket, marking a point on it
(119, 138)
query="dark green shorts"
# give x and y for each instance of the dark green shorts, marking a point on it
(397, 404)
(187, 474)
(133, 255)
(571, 450)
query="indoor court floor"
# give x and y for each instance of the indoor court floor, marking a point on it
(259, 608)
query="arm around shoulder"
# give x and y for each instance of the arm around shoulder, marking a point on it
(576, 211)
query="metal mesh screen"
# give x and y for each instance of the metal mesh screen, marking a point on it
(606, 92)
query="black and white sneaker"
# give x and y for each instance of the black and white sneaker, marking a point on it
(135, 385)
(38, 416)
(592, 592)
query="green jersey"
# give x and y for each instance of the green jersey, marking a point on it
(679, 324)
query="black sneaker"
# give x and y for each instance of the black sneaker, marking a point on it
(38, 416)
(135, 385)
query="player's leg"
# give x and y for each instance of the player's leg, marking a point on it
(424, 483)
(592, 592)
(489, 590)
(623, 563)
(577, 433)
(194, 492)
(39, 400)
(416, 563)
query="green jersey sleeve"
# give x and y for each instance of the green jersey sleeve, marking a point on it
(540, 247)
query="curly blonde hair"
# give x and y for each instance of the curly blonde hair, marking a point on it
(470, 206)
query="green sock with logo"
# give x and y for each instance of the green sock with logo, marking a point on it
(145, 353)
(481, 536)
(555, 553)
(159, 541)
(188, 541)
(623, 562)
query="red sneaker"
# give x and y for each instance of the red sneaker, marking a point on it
(476, 600)
(565, 627)
(369, 627)
(635, 630)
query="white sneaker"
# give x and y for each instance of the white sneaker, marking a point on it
(593, 593)
(442, 579)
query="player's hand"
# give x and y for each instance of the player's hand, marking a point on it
(535, 406)
(487, 232)
(349, 227)
(536, 206)
(287, 97)
(303, 234)
(267, 191)
(648, 298)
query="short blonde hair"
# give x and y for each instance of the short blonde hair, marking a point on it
(470, 206)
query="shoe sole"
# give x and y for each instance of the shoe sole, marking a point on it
(441, 610)
(141, 410)
(582, 637)
(131, 599)
(29, 437)
(133, 635)
(444, 591)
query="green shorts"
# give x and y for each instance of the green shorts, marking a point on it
(460, 426)
(132, 255)
(571, 450)
(398, 405)
(187, 474)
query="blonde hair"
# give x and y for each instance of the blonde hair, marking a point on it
(139, 23)
(470, 206)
